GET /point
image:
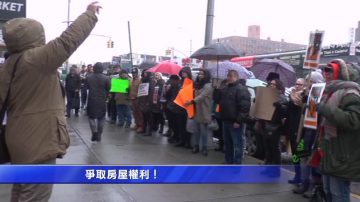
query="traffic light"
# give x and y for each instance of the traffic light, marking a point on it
(110, 44)
(167, 52)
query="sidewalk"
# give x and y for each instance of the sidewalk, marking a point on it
(123, 146)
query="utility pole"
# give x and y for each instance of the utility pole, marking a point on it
(68, 14)
(190, 47)
(131, 58)
(68, 24)
(209, 22)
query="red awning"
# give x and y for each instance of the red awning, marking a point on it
(247, 61)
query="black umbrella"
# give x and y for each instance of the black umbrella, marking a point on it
(216, 51)
(147, 65)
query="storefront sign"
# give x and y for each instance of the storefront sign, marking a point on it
(10, 9)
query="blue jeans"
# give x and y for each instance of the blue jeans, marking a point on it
(336, 189)
(233, 139)
(124, 114)
(201, 134)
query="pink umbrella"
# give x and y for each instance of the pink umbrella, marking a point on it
(166, 68)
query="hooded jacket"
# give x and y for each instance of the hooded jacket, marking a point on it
(341, 154)
(36, 129)
(203, 99)
(99, 86)
(72, 82)
(174, 108)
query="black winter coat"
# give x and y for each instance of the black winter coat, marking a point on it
(99, 86)
(156, 106)
(72, 82)
(145, 101)
(234, 102)
(170, 97)
(293, 117)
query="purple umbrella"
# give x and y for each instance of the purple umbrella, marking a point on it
(221, 69)
(263, 67)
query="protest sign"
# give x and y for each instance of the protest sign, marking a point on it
(143, 89)
(311, 116)
(264, 103)
(186, 94)
(312, 57)
(119, 85)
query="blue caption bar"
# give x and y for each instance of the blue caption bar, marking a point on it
(87, 174)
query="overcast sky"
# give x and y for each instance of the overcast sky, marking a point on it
(159, 24)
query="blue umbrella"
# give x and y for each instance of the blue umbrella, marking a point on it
(221, 70)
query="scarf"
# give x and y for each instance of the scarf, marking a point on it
(333, 95)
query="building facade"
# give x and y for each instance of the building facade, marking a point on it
(256, 46)
(357, 33)
(254, 31)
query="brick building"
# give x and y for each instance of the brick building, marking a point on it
(256, 46)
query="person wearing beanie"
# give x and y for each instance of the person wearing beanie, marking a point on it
(339, 129)
(98, 85)
(133, 95)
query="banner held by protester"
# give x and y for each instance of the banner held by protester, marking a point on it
(264, 108)
(119, 85)
(311, 116)
(143, 89)
(312, 57)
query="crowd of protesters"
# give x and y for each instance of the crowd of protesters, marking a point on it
(227, 105)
